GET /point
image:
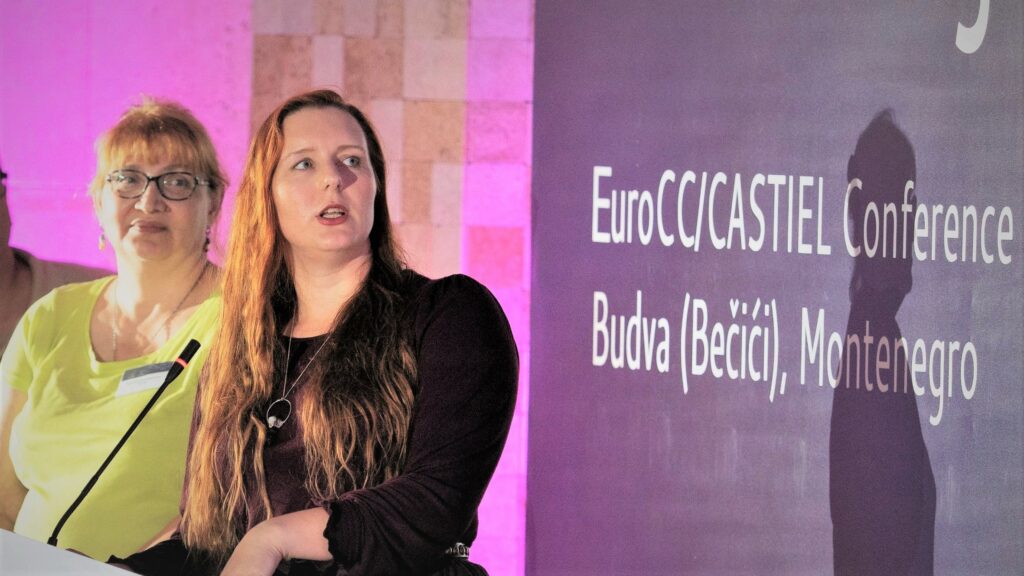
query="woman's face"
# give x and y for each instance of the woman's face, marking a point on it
(324, 186)
(150, 227)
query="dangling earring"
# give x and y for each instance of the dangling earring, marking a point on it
(206, 243)
(102, 242)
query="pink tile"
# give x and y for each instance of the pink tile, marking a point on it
(527, 251)
(497, 195)
(494, 255)
(515, 301)
(500, 556)
(498, 132)
(501, 19)
(523, 398)
(513, 458)
(502, 506)
(500, 70)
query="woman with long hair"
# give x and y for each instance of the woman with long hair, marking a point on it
(86, 358)
(353, 411)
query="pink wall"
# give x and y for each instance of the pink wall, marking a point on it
(69, 69)
(496, 235)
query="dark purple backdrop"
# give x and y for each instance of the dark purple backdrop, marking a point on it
(630, 475)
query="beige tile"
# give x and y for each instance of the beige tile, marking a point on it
(416, 190)
(329, 17)
(390, 19)
(328, 62)
(296, 66)
(417, 242)
(454, 18)
(446, 194)
(283, 17)
(282, 66)
(373, 68)
(434, 69)
(265, 49)
(435, 131)
(388, 120)
(261, 107)
(266, 16)
(394, 190)
(446, 251)
(433, 19)
(360, 18)
(357, 100)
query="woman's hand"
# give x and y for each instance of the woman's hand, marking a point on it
(258, 554)
(295, 535)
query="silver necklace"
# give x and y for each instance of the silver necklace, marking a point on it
(280, 410)
(167, 323)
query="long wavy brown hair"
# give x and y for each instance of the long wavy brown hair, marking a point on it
(356, 406)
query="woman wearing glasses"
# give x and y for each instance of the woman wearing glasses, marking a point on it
(86, 358)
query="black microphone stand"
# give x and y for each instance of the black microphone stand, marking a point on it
(176, 369)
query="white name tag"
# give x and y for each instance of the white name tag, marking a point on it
(143, 378)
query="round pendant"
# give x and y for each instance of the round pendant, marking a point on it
(278, 413)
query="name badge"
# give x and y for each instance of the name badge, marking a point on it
(143, 378)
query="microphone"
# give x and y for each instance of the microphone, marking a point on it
(182, 362)
(179, 364)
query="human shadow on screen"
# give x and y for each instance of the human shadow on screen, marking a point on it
(881, 487)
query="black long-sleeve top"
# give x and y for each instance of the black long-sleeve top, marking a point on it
(467, 368)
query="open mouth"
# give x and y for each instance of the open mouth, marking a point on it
(333, 213)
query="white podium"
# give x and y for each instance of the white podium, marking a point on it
(20, 556)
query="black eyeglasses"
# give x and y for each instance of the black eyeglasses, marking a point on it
(176, 186)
